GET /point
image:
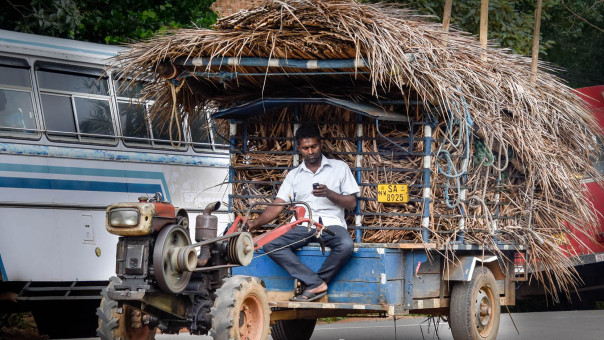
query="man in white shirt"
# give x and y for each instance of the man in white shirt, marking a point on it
(337, 190)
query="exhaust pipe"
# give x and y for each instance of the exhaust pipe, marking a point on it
(206, 225)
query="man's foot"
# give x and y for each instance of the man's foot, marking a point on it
(313, 294)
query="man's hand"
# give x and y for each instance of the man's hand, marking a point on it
(321, 190)
(269, 214)
(251, 225)
(344, 201)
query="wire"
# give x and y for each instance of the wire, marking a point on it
(285, 246)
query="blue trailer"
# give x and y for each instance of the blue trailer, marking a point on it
(464, 283)
(392, 280)
(444, 253)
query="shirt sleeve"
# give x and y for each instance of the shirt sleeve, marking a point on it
(287, 188)
(349, 183)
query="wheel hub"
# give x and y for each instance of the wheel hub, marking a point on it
(483, 310)
(250, 315)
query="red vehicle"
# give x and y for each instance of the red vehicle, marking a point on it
(587, 252)
(590, 254)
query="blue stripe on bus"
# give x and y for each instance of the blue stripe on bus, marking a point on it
(64, 170)
(2, 270)
(218, 160)
(62, 184)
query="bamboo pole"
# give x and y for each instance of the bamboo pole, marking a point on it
(447, 14)
(484, 26)
(536, 32)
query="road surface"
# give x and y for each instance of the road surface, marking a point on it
(567, 325)
(575, 325)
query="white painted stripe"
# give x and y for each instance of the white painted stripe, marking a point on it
(312, 64)
(274, 62)
(359, 63)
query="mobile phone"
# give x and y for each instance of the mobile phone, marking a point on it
(315, 185)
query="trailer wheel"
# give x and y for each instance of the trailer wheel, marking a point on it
(475, 308)
(115, 326)
(241, 310)
(298, 329)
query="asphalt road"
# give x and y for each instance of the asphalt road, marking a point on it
(573, 325)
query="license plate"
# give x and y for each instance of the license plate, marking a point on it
(393, 193)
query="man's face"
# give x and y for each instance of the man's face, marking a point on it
(310, 149)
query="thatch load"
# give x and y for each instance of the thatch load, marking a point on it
(508, 156)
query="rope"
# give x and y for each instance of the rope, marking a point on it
(482, 154)
(463, 140)
(174, 115)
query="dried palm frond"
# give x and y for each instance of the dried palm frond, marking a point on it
(532, 141)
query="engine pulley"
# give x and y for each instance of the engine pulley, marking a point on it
(241, 249)
(173, 261)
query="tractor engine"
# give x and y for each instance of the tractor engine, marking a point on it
(161, 275)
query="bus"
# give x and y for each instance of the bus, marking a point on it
(72, 141)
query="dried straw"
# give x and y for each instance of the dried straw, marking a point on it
(541, 134)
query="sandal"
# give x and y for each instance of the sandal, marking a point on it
(308, 296)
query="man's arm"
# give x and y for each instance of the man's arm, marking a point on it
(344, 201)
(269, 214)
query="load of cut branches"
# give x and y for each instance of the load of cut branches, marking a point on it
(508, 154)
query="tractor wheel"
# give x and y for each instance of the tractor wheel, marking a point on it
(114, 326)
(299, 329)
(475, 308)
(241, 310)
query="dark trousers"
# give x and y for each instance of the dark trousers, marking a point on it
(341, 248)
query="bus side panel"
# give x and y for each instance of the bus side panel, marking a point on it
(53, 213)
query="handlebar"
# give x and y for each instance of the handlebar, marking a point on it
(247, 214)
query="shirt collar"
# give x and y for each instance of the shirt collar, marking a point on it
(324, 162)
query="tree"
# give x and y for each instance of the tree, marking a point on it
(108, 21)
(572, 32)
(572, 35)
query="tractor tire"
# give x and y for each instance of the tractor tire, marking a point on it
(115, 326)
(298, 329)
(241, 310)
(475, 308)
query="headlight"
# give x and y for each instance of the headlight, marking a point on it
(123, 218)
(130, 219)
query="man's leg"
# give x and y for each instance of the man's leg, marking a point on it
(289, 261)
(341, 246)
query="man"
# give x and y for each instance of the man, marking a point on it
(337, 190)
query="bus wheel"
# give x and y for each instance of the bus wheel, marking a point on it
(298, 329)
(475, 308)
(114, 325)
(241, 310)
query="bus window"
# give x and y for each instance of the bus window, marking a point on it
(202, 134)
(17, 115)
(133, 123)
(161, 134)
(75, 103)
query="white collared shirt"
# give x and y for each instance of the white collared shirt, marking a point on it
(333, 173)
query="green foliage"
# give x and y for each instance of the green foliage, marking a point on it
(510, 22)
(106, 21)
(572, 35)
(577, 27)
